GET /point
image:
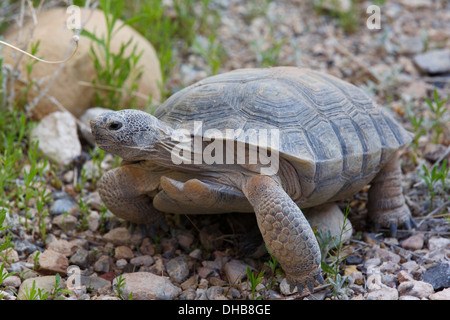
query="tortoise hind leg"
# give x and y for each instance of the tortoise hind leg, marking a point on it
(386, 204)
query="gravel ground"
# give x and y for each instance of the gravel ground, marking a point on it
(206, 257)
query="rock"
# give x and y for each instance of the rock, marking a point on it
(24, 247)
(169, 245)
(215, 293)
(188, 294)
(435, 243)
(66, 222)
(416, 4)
(10, 255)
(414, 242)
(412, 267)
(93, 220)
(58, 138)
(66, 88)
(329, 217)
(80, 258)
(285, 288)
(144, 260)
(353, 260)
(123, 252)
(103, 264)
(433, 152)
(389, 267)
(7, 295)
(415, 288)
(178, 269)
(373, 262)
(93, 200)
(52, 262)
(204, 272)
(147, 247)
(438, 276)
(410, 44)
(235, 271)
(118, 236)
(158, 265)
(121, 263)
(441, 295)
(185, 240)
(354, 274)
(386, 255)
(66, 248)
(148, 286)
(61, 206)
(404, 276)
(408, 298)
(12, 281)
(196, 254)
(385, 293)
(45, 283)
(94, 283)
(434, 61)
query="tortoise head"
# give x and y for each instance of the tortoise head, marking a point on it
(130, 134)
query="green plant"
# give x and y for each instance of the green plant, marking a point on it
(431, 178)
(267, 50)
(84, 213)
(275, 269)
(214, 53)
(34, 187)
(347, 18)
(36, 260)
(438, 109)
(34, 47)
(159, 29)
(34, 294)
(4, 274)
(256, 8)
(118, 288)
(331, 250)
(57, 291)
(116, 73)
(254, 279)
(6, 243)
(419, 130)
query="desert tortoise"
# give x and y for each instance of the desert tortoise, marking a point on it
(333, 140)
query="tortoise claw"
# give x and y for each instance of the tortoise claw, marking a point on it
(299, 289)
(407, 224)
(413, 222)
(393, 229)
(319, 279)
(307, 282)
(310, 285)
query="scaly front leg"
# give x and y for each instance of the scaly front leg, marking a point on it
(285, 231)
(126, 193)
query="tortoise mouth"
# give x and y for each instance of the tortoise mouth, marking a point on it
(101, 136)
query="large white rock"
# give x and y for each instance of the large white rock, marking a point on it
(58, 137)
(55, 41)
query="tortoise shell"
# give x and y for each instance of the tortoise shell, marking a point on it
(331, 132)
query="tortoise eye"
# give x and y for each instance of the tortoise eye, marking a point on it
(115, 125)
